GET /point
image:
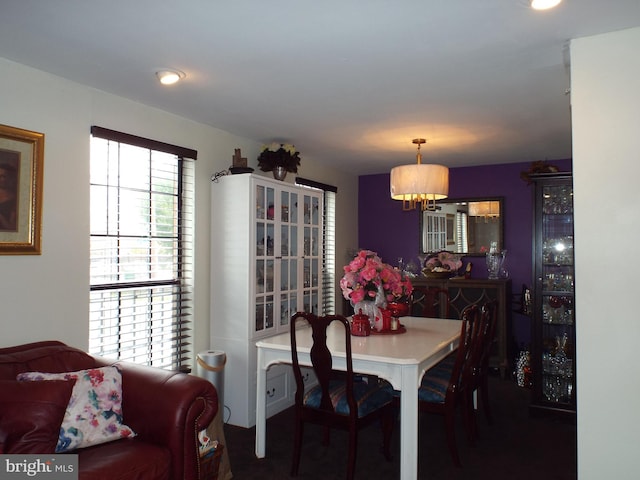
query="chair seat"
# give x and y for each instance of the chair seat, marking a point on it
(435, 379)
(370, 395)
(434, 384)
(449, 360)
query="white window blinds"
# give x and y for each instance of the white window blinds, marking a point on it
(141, 250)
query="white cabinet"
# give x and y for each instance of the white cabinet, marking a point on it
(266, 264)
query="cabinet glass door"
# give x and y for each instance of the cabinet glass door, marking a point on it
(265, 261)
(557, 330)
(312, 260)
(288, 256)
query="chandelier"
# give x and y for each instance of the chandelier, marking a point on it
(419, 184)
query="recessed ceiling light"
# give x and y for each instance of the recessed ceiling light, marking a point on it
(544, 4)
(169, 77)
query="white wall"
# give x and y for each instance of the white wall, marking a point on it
(46, 296)
(606, 144)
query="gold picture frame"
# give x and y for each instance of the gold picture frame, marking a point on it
(21, 174)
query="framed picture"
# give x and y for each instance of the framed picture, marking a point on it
(21, 164)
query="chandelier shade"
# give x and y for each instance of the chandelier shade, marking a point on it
(419, 184)
(484, 209)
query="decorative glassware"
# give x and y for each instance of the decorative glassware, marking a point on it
(397, 309)
(373, 309)
(495, 262)
(360, 325)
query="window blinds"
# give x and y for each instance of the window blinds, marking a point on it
(141, 248)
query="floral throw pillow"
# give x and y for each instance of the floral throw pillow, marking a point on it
(94, 412)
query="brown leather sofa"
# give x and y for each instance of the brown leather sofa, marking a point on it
(165, 409)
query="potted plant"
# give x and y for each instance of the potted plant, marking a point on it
(279, 158)
(369, 284)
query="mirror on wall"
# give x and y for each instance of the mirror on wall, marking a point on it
(463, 225)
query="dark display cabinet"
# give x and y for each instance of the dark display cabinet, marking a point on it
(553, 359)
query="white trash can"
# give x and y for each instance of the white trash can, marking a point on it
(210, 366)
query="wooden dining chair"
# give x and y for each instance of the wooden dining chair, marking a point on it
(430, 302)
(340, 399)
(443, 387)
(478, 369)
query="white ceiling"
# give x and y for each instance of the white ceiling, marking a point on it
(349, 82)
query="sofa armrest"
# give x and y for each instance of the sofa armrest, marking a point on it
(168, 409)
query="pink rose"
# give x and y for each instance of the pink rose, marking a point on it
(369, 273)
(357, 295)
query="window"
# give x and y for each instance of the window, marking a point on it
(141, 250)
(434, 237)
(328, 305)
(329, 254)
(462, 240)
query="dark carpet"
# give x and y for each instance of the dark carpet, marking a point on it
(516, 446)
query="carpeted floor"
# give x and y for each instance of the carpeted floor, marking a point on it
(516, 446)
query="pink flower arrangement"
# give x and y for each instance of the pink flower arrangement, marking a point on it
(366, 273)
(443, 261)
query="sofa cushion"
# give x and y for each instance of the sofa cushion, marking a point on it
(124, 460)
(31, 414)
(94, 412)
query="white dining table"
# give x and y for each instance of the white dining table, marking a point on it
(400, 358)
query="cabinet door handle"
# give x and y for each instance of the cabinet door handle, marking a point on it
(271, 392)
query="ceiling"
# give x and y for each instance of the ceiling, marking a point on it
(349, 82)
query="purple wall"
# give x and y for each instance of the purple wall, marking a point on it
(384, 228)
